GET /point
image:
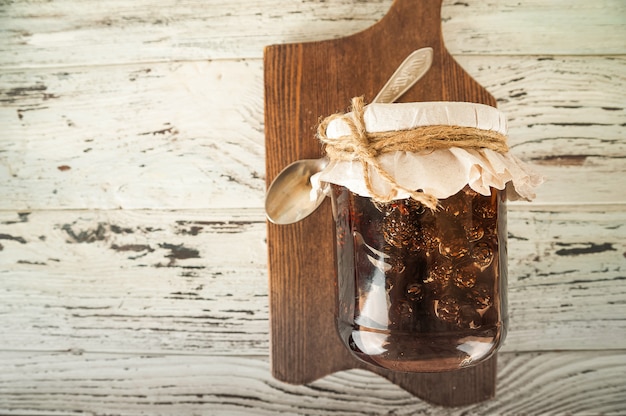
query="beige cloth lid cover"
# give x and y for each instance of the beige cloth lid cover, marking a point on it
(441, 173)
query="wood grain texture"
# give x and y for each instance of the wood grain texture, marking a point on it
(119, 126)
(134, 281)
(61, 33)
(74, 382)
(196, 281)
(131, 193)
(185, 135)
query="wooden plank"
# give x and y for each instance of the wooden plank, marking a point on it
(140, 281)
(196, 281)
(190, 135)
(61, 33)
(134, 137)
(71, 382)
(549, 285)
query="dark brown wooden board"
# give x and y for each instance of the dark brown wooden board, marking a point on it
(303, 83)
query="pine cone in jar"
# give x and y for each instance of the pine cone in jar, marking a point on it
(399, 227)
(454, 245)
(483, 254)
(481, 297)
(473, 231)
(415, 292)
(452, 310)
(465, 276)
(439, 275)
(430, 235)
(447, 309)
(458, 205)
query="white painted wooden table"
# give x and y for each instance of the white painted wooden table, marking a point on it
(132, 236)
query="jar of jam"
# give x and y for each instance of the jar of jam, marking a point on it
(421, 290)
(419, 199)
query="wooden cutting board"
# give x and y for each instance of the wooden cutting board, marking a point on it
(303, 83)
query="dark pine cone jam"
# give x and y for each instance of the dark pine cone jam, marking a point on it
(421, 290)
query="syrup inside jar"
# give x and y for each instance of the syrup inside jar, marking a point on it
(421, 290)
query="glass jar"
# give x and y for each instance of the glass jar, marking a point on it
(421, 290)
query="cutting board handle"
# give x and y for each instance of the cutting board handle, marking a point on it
(414, 10)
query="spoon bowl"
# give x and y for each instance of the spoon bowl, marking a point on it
(289, 196)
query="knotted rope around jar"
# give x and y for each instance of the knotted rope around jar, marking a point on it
(364, 146)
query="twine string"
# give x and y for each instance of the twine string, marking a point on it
(364, 146)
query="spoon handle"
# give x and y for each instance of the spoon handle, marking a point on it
(408, 73)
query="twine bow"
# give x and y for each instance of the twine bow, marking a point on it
(365, 147)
